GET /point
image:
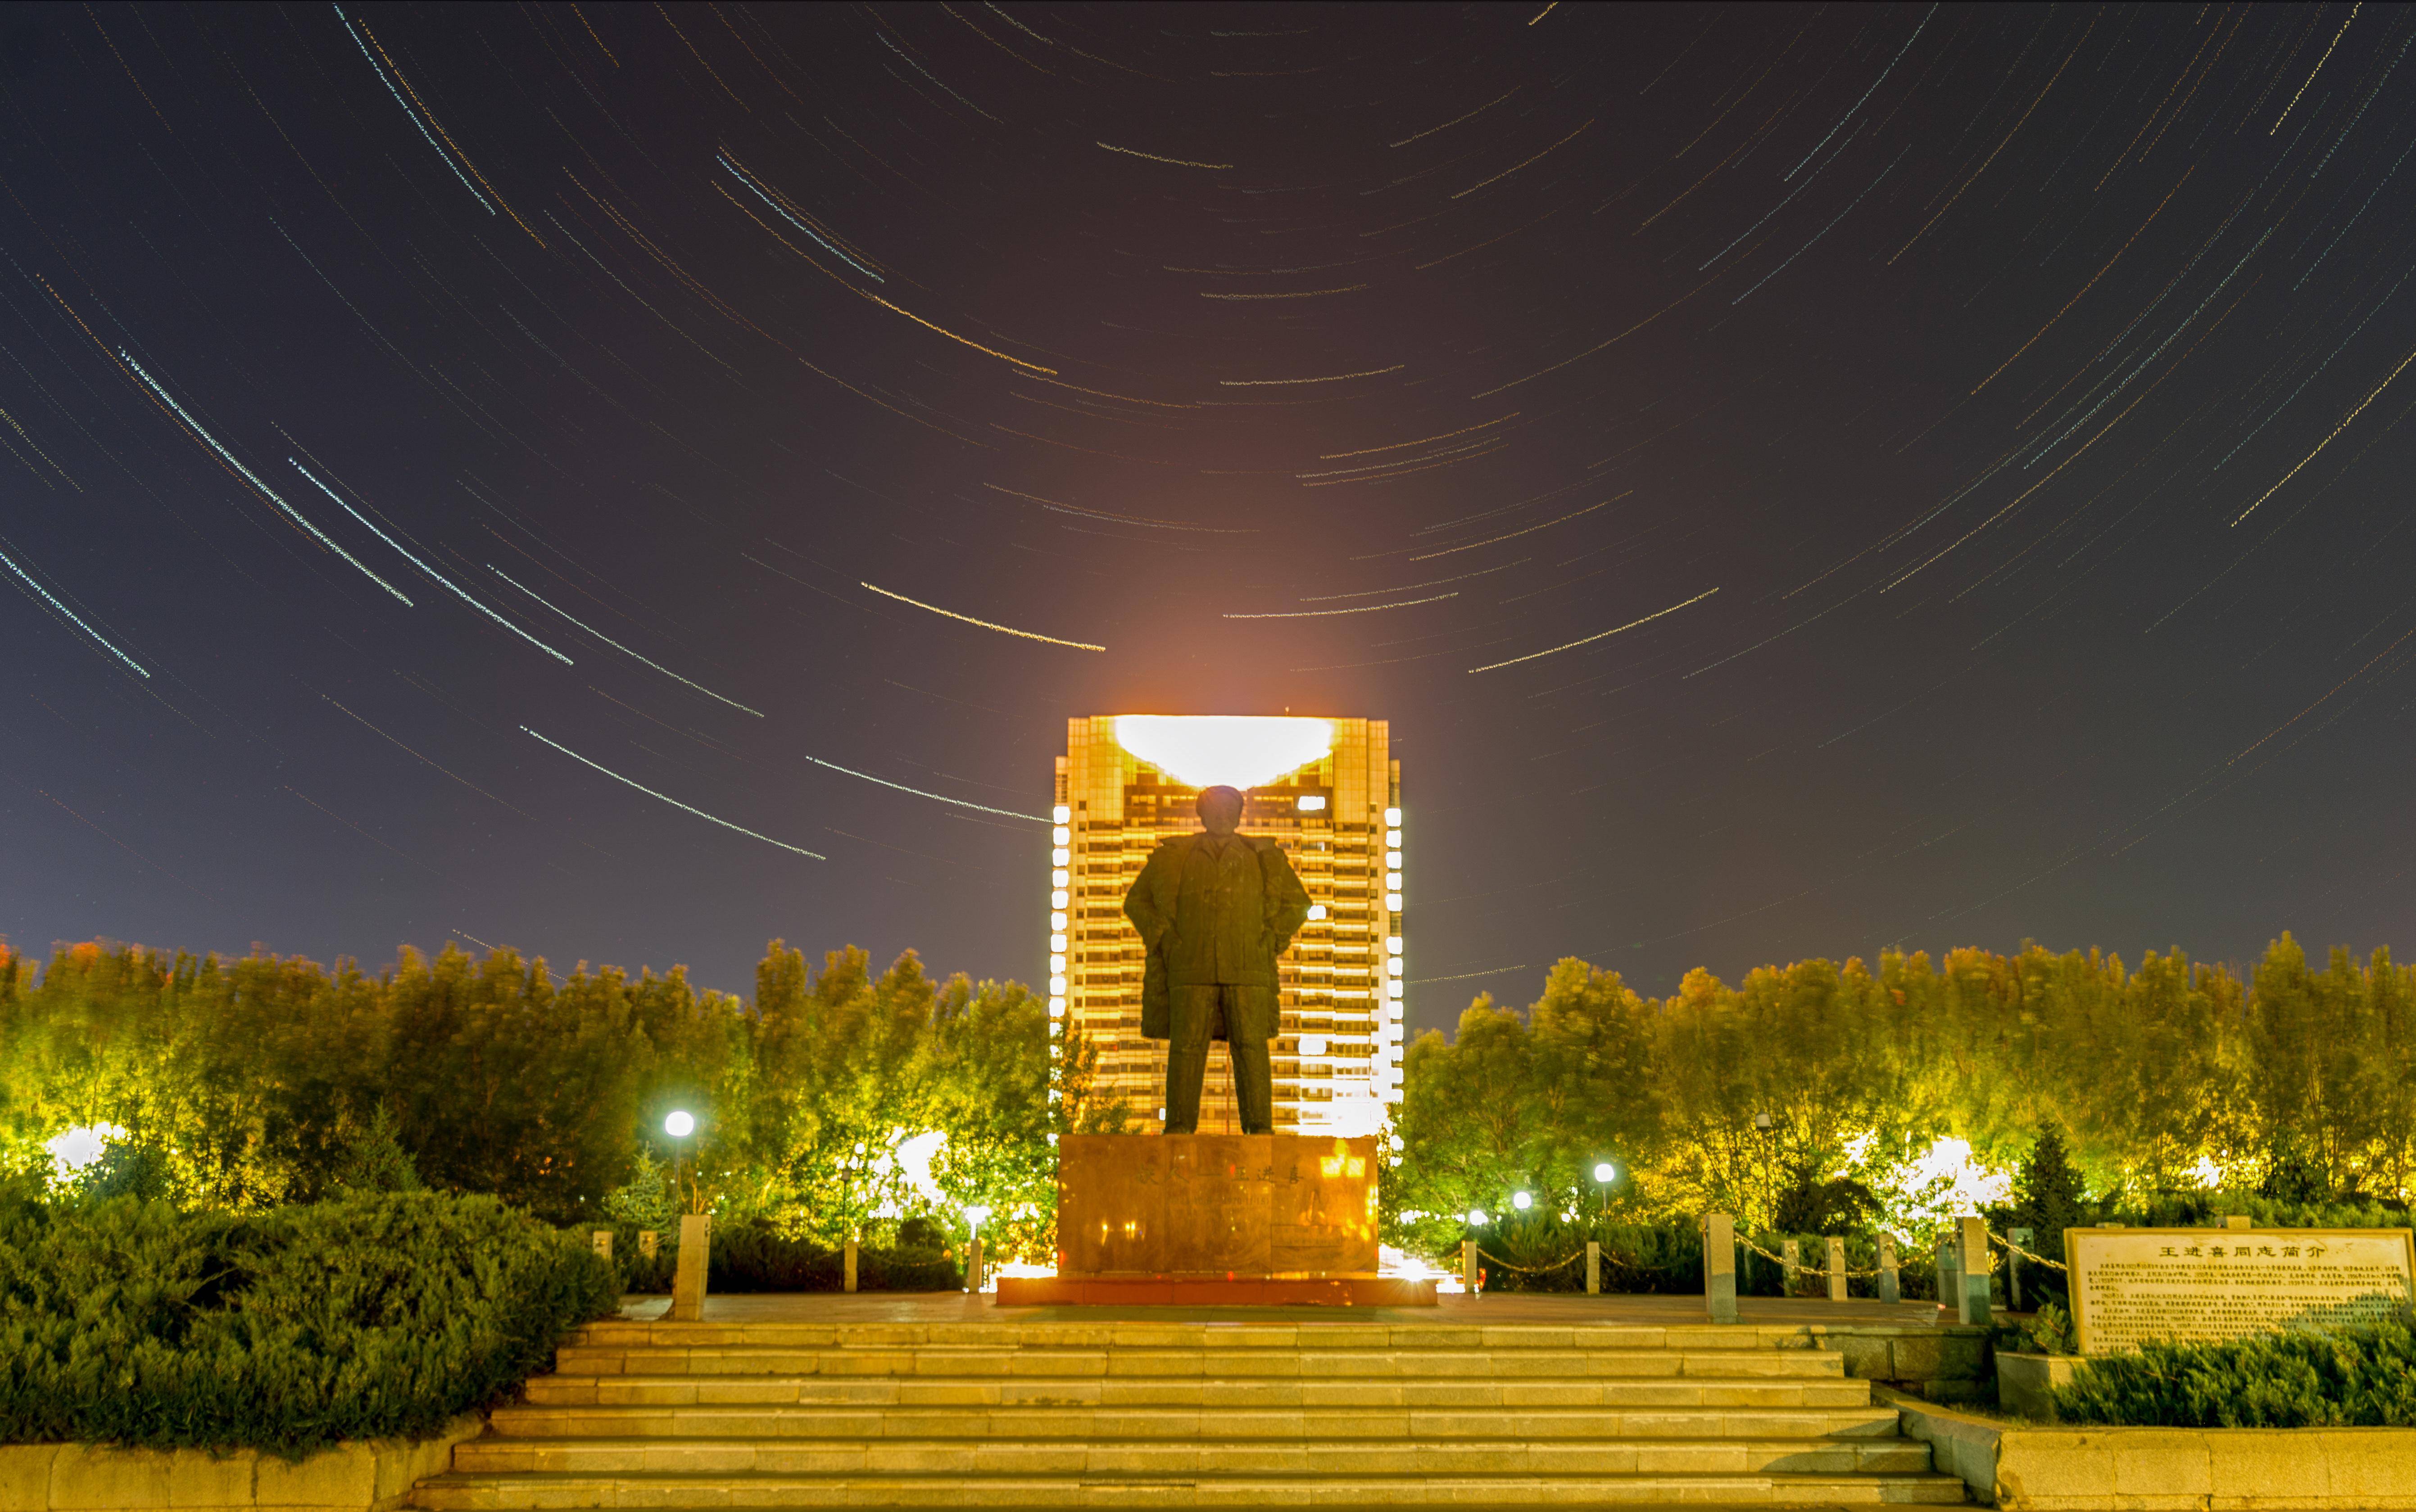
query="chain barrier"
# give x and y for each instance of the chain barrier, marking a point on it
(2024, 1253)
(1528, 1270)
(1782, 1261)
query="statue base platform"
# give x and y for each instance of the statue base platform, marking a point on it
(1215, 1220)
(1215, 1291)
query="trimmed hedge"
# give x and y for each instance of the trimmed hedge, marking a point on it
(1520, 1254)
(2349, 1378)
(750, 1257)
(371, 1316)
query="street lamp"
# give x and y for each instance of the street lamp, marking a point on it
(679, 1125)
(1603, 1175)
(1477, 1216)
(973, 1277)
(1521, 1201)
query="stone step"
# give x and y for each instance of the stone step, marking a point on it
(1404, 1362)
(1143, 1391)
(460, 1493)
(750, 1421)
(1128, 1334)
(1148, 1459)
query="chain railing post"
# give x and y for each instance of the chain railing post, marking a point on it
(1468, 1266)
(1950, 1275)
(1972, 1259)
(1594, 1267)
(1719, 1267)
(2014, 1268)
(1890, 1292)
(1836, 1268)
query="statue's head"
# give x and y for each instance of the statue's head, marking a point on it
(1220, 810)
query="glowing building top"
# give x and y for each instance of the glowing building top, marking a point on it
(1330, 793)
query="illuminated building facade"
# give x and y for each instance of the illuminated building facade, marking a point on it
(1330, 793)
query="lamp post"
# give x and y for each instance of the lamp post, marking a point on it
(973, 1277)
(1603, 1175)
(696, 1229)
(1521, 1201)
(679, 1125)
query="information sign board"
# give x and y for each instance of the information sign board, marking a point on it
(2211, 1285)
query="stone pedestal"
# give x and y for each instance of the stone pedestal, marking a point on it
(1215, 1218)
(695, 1257)
(1719, 1267)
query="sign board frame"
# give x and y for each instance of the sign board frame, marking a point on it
(2075, 1238)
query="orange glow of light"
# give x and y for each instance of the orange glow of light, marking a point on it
(1223, 749)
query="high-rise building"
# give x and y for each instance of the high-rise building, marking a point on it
(1330, 793)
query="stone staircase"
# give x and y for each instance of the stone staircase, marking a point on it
(1186, 1413)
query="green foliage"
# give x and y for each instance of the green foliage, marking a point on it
(646, 1201)
(1545, 1252)
(134, 1168)
(1787, 1100)
(2184, 1210)
(374, 1159)
(1808, 1204)
(2349, 1378)
(256, 1083)
(2047, 1194)
(124, 1321)
(2047, 1331)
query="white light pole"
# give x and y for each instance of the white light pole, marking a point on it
(973, 1277)
(1603, 1175)
(696, 1229)
(679, 1125)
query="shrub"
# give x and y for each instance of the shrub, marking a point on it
(751, 1257)
(371, 1316)
(2190, 1209)
(2361, 1377)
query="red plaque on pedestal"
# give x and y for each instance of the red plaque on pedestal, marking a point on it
(1215, 1219)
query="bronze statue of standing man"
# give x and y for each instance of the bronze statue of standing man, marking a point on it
(1214, 910)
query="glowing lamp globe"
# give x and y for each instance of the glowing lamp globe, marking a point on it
(1476, 1215)
(679, 1125)
(973, 1216)
(1604, 1172)
(1521, 1201)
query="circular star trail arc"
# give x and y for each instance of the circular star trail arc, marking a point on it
(1908, 476)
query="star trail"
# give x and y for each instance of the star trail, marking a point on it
(1907, 475)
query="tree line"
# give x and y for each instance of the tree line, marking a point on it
(258, 1082)
(1798, 1099)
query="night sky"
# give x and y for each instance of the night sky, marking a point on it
(1799, 480)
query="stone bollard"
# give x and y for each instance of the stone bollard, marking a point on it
(1972, 1259)
(695, 1258)
(848, 1279)
(602, 1240)
(1791, 1251)
(2014, 1269)
(973, 1265)
(2237, 1220)
(1594, 1267)
(1950, 1275)
(649, 1243)
(1836, 1268)
(1468, 1266)
(1719, 1267)
(1890, 1290)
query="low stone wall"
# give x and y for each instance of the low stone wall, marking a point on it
(372, 1475)
(2025, 1469)
(1950, 1364)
